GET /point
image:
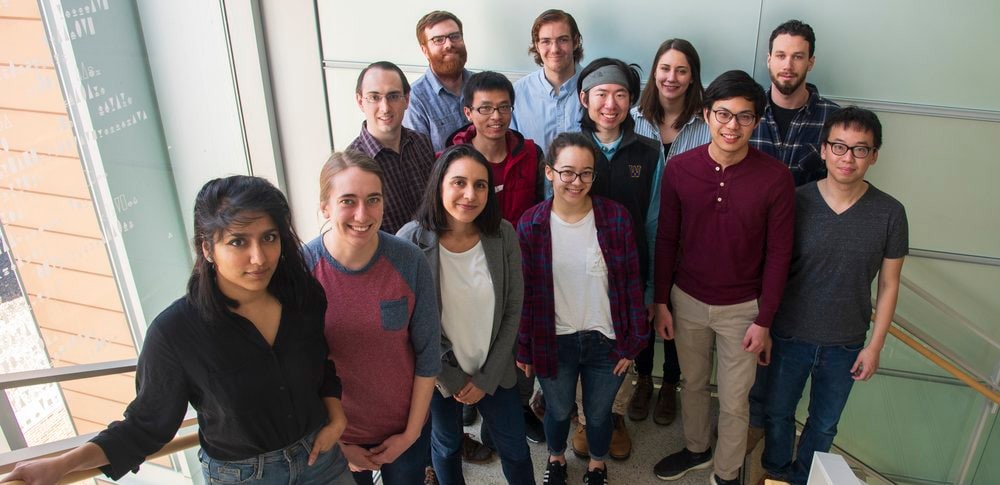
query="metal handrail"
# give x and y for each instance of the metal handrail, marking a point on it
(948, 310)
(60, 374)
(948, 367)
(959, 257)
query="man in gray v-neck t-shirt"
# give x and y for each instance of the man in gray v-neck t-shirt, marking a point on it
(847, 233)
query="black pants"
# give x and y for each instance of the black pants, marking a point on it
(671, 369)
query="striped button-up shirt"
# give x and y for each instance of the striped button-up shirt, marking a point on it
(694, 133)
(799, 151)
(537, 335)
(405, 173)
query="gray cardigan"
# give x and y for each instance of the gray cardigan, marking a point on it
(503, 258)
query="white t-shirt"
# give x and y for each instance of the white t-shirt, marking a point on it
(579, 278)
(467, 305)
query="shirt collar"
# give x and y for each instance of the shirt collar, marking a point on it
(609, 149)
(435, 83)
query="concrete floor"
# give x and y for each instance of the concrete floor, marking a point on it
(650, 443)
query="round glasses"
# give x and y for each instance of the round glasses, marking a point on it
(568, 176)
(744, 118)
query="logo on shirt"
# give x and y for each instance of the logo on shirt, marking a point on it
(635, 171)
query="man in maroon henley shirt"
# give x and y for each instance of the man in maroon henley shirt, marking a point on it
(723, 248)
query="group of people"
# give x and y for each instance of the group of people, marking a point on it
(544, 229)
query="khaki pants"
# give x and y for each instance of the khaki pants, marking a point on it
(696, 326)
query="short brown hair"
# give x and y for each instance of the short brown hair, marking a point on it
(432, 19)
(340, 161)
(552, 16)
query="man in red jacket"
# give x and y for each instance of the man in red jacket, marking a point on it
(489, 103)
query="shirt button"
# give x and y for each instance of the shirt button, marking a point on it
(719, 199)
(282, 388)
(717, 169)
(289, 416)
(722, 184)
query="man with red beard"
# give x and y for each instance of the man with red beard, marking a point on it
(789, 130)
(436, 100)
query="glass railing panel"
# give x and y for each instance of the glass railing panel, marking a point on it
(987, 469)
(908, 429)
(969, 290)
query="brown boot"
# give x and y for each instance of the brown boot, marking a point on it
(754, 435)
(580, 446)
(621, 443)
(638, 406)
(666, 404)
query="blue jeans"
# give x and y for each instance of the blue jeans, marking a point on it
(503, 416)
(407, 469)
(587, 356)
(282, 467)
(792, 362)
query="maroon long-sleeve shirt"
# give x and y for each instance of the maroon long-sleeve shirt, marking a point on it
(727, 232)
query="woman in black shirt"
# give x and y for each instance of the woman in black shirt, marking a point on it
(244, 347)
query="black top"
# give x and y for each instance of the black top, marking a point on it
(628, 179)
(251, 398)
(783, 118)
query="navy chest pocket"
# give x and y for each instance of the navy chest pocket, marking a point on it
(395, 314)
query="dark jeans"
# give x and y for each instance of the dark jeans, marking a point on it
(281, 467)
(792, 362)
(587, 356)
(502, 415)
(758, 396)
(671, 368)
(407, 469)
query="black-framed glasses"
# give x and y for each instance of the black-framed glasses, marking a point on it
(568, 176)
(504, 109)
(454, 37)
(376, 98)
(744, 118)
(859, 151)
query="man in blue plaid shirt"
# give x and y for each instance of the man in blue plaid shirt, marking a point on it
(789, 130)
(795, 112)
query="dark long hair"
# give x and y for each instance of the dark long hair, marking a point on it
(649, 102)
(236, 201)
(431, 214)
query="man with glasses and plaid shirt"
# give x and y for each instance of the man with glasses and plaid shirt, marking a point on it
(436, 105)
(406, 156)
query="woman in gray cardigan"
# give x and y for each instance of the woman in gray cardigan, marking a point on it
(476, 261)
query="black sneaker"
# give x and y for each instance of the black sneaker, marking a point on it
(597, 476)
(533, 428)
(676, 465)
(469, 415)
(555, 474)
(718, 481)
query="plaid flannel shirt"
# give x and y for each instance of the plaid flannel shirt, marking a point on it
(800, 150)
(537, 335)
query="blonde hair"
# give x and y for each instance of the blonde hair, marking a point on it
(340, 161)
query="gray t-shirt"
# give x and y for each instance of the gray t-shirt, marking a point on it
(827, 300)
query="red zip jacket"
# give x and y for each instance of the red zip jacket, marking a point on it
(522, 181)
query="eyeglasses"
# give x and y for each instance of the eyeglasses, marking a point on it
(568, 176)
(859, 151)
(376, 98)
(564, 41)
(504, 109)
(454, 37)
(744, 118)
